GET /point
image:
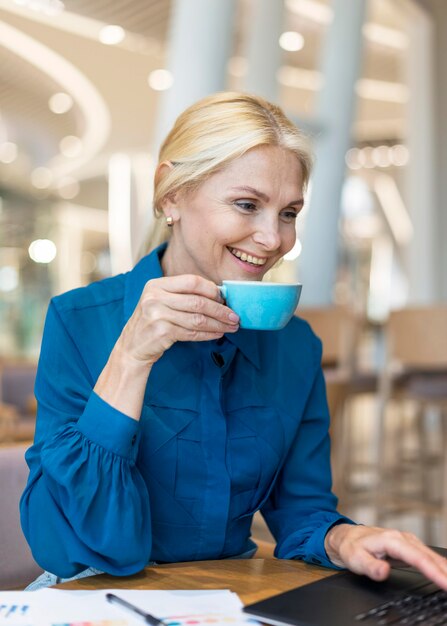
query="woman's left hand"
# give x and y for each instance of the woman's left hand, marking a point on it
(365, 550)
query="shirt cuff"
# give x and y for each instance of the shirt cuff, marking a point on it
(109, 428)
(315, 550)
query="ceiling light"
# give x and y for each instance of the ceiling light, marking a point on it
(60, 103)
(42, 251)
(299, 78)
(367, 160)
(382, 90)
(381, 156)
(315, 11)
(49, 7)
(291, 41)
(384, 36)
(399, 155)
(90, 104)
(41, 177)
(70, 146)
(111, 34)
(160, 80)
(368, 88)
(352, 159)
(8, 152)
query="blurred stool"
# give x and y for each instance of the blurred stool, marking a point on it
(17, 566)
(339, 329)
(17, 402)
(9, 418)
(414, 384)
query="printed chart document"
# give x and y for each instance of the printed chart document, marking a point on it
(57, 607)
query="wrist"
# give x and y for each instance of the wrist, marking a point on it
(123, 359)
(122, 383)
(333, 540)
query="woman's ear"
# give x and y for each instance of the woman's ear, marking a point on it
(169, 202)
(162, 170)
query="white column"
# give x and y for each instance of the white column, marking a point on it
(263, 50)
(438, 9)
(120, 213)
(200, 40)
(420, 175)
(335, 110)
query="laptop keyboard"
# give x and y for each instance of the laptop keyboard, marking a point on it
(426, 608)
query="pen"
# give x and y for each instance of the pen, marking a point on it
(148, 618)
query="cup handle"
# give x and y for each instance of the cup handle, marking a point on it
(223, 291)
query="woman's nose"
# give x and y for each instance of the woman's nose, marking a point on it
(267, 235)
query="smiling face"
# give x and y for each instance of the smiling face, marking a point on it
(240, 221)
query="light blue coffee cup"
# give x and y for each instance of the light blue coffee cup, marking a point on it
(261, 306)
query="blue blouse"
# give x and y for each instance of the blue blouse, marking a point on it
(227, 428)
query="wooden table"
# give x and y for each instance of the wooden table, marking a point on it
(252, 579)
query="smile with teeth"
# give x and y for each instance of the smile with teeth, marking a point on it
(248, 258)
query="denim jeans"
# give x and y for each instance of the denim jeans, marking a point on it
(48, 580)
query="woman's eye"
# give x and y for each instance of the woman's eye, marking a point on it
(246, 205)
(290, 215)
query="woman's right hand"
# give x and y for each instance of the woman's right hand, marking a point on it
(175, 308)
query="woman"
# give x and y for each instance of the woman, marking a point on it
(162, 427)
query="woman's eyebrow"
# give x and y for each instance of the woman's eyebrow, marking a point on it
(298, 202)
(262, 195)
(253, 191)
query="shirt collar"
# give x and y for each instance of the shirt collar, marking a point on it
(247, 341)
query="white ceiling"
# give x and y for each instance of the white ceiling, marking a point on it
(149, 18)
(118, 79)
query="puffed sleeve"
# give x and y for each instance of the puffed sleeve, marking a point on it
(302, 508)
(85, 504)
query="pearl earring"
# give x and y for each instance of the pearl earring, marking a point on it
(169, 221)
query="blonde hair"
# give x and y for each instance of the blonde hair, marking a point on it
(214, 131)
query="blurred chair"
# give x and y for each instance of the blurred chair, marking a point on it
(9, 418)
(17, 402)
(265, 549)
(17, 567)
(263, 538)
(414, 383)
(339, 330)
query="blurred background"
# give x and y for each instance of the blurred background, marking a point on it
(88, 89)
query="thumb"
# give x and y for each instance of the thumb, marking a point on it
(371, 566)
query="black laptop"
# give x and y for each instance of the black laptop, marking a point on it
(346, 599)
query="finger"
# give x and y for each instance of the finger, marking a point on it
(362, 562)
(408, 548)
(188, 283)
(162, 316)
(185, 334)
(206, 306)
(196, 304)
(197, 322)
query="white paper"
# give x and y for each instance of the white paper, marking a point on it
(57, 607)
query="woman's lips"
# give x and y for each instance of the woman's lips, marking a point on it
(247, 256)
(248, 267)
